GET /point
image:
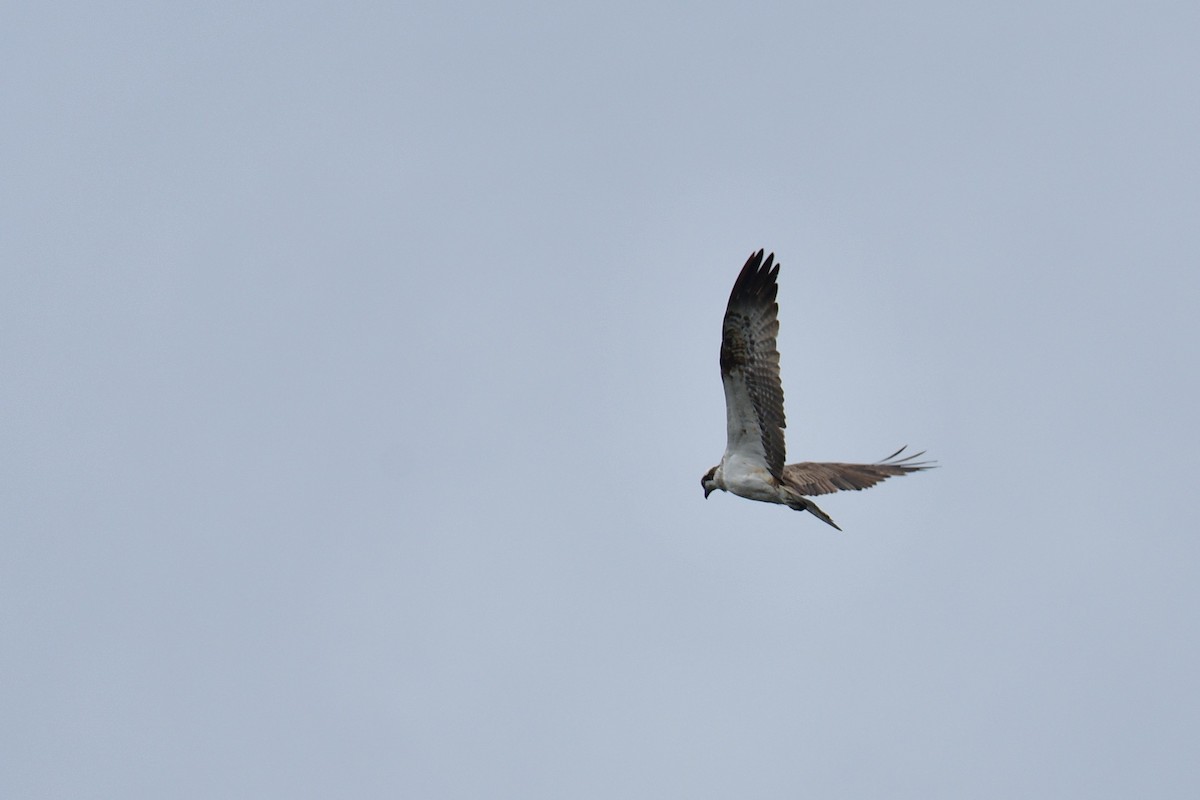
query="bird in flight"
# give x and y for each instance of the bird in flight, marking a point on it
(752, 466)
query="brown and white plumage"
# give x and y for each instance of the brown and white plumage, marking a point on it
(753, 463)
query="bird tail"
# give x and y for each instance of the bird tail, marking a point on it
(802, 503)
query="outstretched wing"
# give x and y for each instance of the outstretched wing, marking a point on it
(750, 367)
(810, 478)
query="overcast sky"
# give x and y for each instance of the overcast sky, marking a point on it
(358, 368)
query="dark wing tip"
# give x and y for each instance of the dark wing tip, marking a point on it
(757, 280)
(908, 463)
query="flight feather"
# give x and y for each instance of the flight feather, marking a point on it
(811, 478)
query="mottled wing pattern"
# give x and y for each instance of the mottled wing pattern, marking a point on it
(750, 366)
(810, 478)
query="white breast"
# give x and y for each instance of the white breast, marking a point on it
(748, 478)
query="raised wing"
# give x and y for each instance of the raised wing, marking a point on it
(810, 478)
(750, 367)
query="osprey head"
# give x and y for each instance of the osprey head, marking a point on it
(709, 482)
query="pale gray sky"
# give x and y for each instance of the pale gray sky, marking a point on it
(359, 369)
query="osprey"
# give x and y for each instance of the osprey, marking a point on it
(752, 466)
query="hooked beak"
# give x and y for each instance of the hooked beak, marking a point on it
(707, 492)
